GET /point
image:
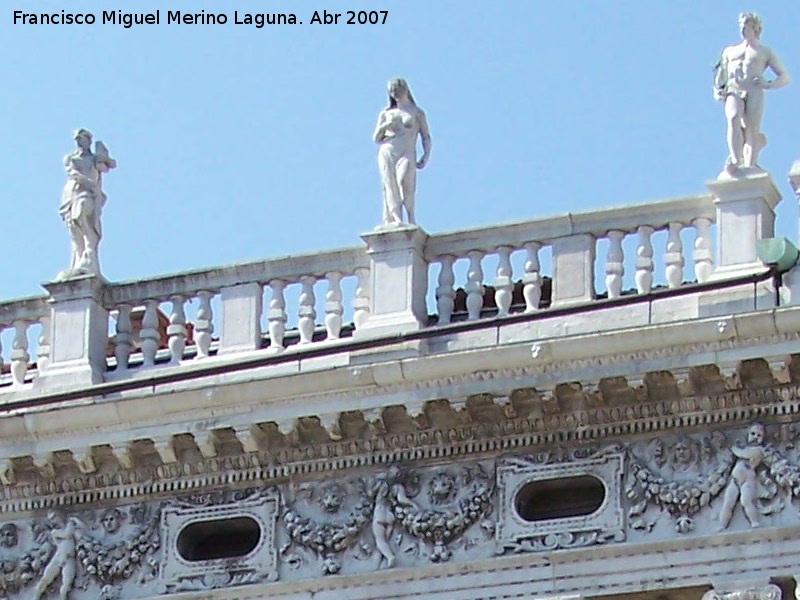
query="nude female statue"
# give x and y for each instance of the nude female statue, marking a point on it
(399, 125)
(740, 84)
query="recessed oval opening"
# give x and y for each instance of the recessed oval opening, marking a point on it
(559, 498)
(219, 538)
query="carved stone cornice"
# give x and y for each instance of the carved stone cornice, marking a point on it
(468, 439)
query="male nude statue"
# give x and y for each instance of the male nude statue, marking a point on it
(64, 532)
(743, 485)
(740, 84)
(389, 489)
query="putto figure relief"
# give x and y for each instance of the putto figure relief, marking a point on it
(740, 83)
(82, 203)
(399, 125)
(702, 481)
(743, 484)
(389, 492)
(63, 535)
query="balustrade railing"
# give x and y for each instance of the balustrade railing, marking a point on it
(572, 241)
(25, 319)
(229, 301)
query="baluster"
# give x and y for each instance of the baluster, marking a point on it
(307, 315)
(532, 280)
(43, 348)
(361, 301)
(123, 340)
(333, 305)
(177, 329)
(673, 258)
(615, 267)
(276, 316)
(703, 261)
(445, 292)
(474, 287)
(503, 286)
(19, 352)
(149, 334)
(204, 325)
(644, 260)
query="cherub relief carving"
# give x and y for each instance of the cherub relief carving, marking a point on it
(743, 483)
(685, 477)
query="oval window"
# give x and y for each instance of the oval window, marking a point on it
(559, 498)
(219, 538)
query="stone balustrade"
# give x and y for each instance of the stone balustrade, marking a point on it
(239, 290)
(405, 280)
(27, 318)
(572, 240)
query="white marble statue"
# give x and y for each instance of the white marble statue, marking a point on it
(739, 82)
(389, 489)
(82, 203)
(743, 485)
(399, 125)
(63, 534)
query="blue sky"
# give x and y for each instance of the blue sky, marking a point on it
(236, 143)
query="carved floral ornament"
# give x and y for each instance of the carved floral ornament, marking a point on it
(405, 516)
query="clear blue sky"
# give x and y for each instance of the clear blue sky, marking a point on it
(236, 143)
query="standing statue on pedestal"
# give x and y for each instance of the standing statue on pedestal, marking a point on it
(739, 83)
(396, 133)
(82, 203)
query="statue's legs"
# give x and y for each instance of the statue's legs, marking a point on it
(749, 492)
(389, 168)
(67, 578)
(77, 243)
(728, 503)
(51, 571)
(734, 113)
(753, 139)
(91, 240)
(407, 175)
(381, 532)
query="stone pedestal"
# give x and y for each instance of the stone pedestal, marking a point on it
(745, 214)
(241, 318)
(78, 333)
(573, 270)
(398, 281)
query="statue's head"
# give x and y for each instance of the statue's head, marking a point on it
(755, 434)
(56, 518)
(398, 89)
(682, 452)
(393, 474)
(750, 21)
(9, 535)
(112, 520)
(83, 138)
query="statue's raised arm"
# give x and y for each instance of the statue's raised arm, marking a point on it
(739, 82)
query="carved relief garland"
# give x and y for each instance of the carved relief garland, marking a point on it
(456, 500)
(332, 533)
